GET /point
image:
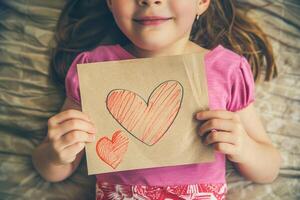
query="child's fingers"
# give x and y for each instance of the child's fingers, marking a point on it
(218, 124)
(70, 125)
(224, 148)
(74, 137)
(74, 149)
(220, 114)
(219, 136)
(67, 115)
(77, 124)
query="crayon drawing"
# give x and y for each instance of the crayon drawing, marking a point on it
(112, 151)
(146, 121)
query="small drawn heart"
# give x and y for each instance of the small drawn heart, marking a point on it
(112, 151)
(147, 121)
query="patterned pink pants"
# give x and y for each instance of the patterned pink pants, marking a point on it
(105, 191)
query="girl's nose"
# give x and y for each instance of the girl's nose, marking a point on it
(149, 2)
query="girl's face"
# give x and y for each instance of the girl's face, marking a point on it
(156, 24)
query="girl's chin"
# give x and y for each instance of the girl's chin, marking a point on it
(153, 46)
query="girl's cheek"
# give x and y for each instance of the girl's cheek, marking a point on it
(122, 12)
(123, 18)
(184, 11)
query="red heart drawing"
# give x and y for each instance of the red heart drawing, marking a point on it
(147, 121)
(112, 151)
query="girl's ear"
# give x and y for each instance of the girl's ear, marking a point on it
(109, 4)
(202, 6)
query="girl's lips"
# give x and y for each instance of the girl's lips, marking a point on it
(152, 20)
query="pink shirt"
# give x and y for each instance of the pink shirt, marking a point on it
(230, 87)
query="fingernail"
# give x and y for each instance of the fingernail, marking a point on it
(89, 118)
(198, 115)
(93, 137)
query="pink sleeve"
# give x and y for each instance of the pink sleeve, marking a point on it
(242, 87)
(71, 81)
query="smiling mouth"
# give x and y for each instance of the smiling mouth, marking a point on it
(152, 21)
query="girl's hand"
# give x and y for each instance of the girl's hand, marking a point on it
(225, 133)
(68, 132)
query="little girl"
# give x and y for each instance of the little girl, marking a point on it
(150, 28)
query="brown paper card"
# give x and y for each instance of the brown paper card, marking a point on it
(144, 111)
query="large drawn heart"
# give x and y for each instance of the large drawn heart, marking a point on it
(112, 151)
(147, 121)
